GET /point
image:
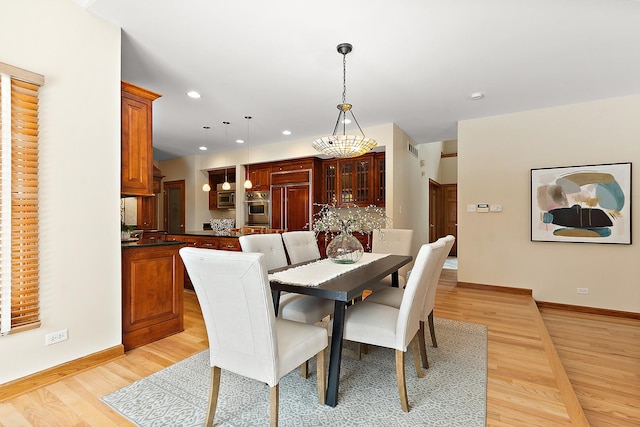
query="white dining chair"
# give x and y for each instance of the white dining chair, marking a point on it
(394, 241)
(301, 246)
(244, 335)
(300, 308)
(397, 328)
(393, 297)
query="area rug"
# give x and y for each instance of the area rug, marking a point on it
(452, 392)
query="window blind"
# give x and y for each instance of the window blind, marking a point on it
(19, 242)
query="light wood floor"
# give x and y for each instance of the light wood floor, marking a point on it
(527, 382)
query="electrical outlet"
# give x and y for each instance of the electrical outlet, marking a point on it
(56, 337)
(583, 291)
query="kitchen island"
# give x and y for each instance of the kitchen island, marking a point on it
(152, 291)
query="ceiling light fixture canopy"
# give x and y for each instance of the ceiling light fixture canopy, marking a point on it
(225, 184)
(342, 145)
(247, 183)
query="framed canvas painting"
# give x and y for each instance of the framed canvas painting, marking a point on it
(584, 204)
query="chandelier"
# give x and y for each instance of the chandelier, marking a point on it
(342, 145)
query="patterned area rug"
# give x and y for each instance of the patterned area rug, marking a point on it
(452, 392)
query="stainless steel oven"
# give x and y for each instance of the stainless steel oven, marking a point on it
(257, 209)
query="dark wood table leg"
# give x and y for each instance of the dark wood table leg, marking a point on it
(276, 300)
(395, 282)
(335, 357)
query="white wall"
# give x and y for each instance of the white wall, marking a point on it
(495, 156)
(79, 55)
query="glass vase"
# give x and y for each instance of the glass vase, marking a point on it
(344, 249)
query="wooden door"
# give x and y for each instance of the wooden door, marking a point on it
(174, 207)
(450, 204)
(435, 211)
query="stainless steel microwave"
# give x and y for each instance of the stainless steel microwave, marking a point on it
(226, 199)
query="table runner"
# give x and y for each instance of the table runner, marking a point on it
(320, 271)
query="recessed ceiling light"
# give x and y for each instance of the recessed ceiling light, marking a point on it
(203, 148)
(193, 94)
(476, 95)
(240, 141)
(286, 132)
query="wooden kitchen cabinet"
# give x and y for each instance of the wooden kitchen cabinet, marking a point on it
(293, 165)
(260, 176)
(205, 242)
(147, 218)
(379, 183)
(136, 140)
(350, 181)
(152, 293)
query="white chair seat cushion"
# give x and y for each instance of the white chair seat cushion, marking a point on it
(304, 308)
(387, 296)
(371, 323)
(297, 343)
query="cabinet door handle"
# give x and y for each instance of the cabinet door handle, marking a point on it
(208, 245)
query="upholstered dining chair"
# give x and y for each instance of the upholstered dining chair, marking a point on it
(301, 308)
(301, 246)
(395, 241)
(397, 328)
(393, 297)
(244, 335)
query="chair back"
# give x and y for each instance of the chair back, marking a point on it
(415, 292)
(301, 246)
(235, 297)
(394, 241)
(430, 299)
(268, 244)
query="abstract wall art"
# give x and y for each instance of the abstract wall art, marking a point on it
(585, 204)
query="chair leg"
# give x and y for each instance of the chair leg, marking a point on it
(432, 330)
(423, 346)
(322, 376)
(402, 383)
(274, 399)
(416, 359)
(304, 370)
(214, 389)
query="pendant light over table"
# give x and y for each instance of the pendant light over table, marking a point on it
(342, 145)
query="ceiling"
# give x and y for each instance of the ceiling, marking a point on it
(414, 63)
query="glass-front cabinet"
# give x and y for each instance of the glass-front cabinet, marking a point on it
(352, 181)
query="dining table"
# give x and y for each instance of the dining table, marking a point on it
(342, 283)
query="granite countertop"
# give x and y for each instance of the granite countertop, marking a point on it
(142, 243)
(211, 233)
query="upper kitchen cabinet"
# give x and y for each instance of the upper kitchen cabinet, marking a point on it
(353, 181)
(136, 143)
(260, 176)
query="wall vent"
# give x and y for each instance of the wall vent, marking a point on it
(412, 149)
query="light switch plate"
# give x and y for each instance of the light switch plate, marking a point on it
(496, 208)
(471, 208)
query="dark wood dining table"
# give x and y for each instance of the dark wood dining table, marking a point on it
(342, 289)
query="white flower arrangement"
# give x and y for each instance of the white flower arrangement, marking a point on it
(349, 219)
